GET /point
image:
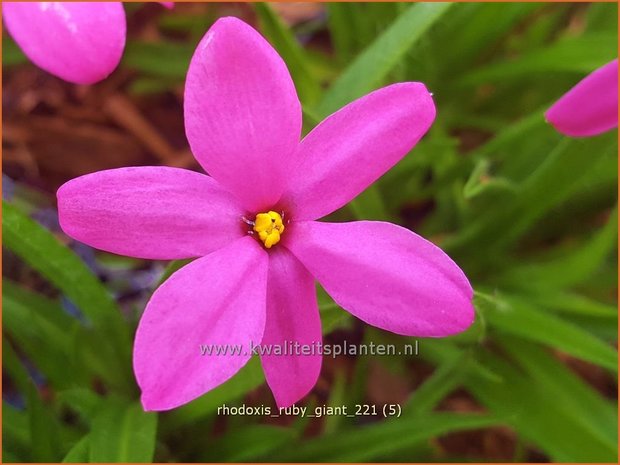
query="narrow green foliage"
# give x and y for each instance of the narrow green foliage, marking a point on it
(122, 433)
(366, 72)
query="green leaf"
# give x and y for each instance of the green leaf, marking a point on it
(572, 394)
(571, 267)
(63, 268)
(79, 453)
(482, 182)
(285, 42)
(352, 25)
(123, 433)
(10, 457)
(337, 397)
(340, 22)
(39, 326)
(602, 16)
(530, 407)
(84, 401)
(147, 85)
(332, 317)
(56, 262)
(517, 316)
(185, 22)
(45, 432)
(579, 55)
(505, 142)
(572, 303)
(14, 367)
(597, 318)
(557, 178)
(376, 61)
(442, 382)
(15, 432)
(11, 53)
(363, 444)
(441, 352)
(481, 27)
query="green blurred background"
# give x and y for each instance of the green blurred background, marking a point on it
(530, 215)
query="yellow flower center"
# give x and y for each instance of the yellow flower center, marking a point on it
(269, 227)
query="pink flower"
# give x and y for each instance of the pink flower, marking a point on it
(589, 108)
(80, 42)
(243, 122)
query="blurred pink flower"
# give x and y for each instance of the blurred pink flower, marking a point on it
(589, 108)
(254, 280)
(80, 42)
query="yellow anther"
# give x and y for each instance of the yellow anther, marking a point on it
(269, 227)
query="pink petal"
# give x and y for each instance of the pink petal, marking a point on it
(217, 300)
(242, 114)
(355, 146)
(292, 321)
(385, 275)
(589, 108)
(150, 212)
(169, 5)
(80, 42)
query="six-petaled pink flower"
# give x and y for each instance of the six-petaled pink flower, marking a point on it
(80, 42)
(252, 223)
(591, 107)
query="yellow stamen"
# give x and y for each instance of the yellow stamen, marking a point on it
(269, 227)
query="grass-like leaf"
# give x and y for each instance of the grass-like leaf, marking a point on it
(373, 442)
(367, 71)
(122, 433)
